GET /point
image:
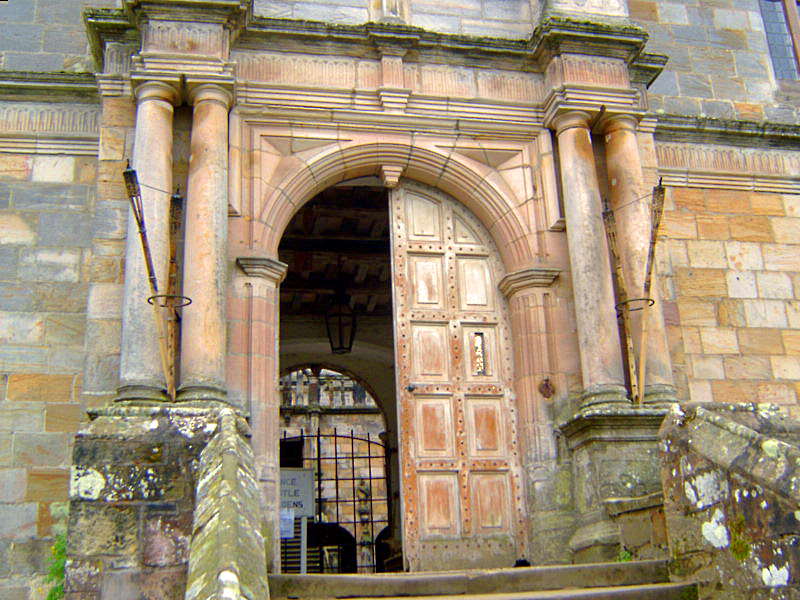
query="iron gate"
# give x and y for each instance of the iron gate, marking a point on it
(351, 502)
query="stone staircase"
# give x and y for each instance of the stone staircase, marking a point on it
(600, 581)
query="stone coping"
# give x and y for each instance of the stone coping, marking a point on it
(720, 435)
(619, 506)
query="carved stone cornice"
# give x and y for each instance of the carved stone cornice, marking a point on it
(646, 67)
(233, 14)
(105, 27)
(49, 87)
(266, 267)
(557, 35)
(728, 167)
(528, 278)
(680, 128)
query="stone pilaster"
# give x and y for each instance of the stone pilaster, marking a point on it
(262, 303)
(141, 373)
(550, 514)
(203, 340)
(598, 335)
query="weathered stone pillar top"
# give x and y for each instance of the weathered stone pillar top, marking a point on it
(156, 90)
(211, 92)
(570, 119)
(618, 122)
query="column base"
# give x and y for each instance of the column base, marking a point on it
(143, 394)
(660, 395)
(202, 393)
(604, 395)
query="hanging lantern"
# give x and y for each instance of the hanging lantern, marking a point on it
(340, 322)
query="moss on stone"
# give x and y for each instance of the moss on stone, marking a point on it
(740, 547)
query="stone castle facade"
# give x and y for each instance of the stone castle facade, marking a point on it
(493, 133)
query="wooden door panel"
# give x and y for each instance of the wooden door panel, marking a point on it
(439, 503)
(462, 233)
(476, 291)
(461, 477)
(485, 419)
(424, 219)
(435, 424)
(429, 353)
(426, 278)
(490, 500)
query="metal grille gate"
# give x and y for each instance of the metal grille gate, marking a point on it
(351, 503)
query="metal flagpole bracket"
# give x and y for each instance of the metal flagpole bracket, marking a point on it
(161, 303)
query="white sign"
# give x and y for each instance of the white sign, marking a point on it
(297, 491)
(287, 523)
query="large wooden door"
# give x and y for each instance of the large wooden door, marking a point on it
(462, 496)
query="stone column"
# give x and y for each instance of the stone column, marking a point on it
(204, 273)
(141, 375)
(631, 204)
(598, 335)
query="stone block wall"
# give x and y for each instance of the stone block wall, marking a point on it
(47, 218)
(497, 18)
(719, 64)
(46, 35)
(731, 294)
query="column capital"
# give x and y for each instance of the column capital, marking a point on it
(617, 122)
(524, 279)
(155, 89)
(262, 266)
(210, 92)
(569, 119)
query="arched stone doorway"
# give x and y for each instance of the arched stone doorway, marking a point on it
(495, 207)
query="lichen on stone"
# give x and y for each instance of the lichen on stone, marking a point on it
(773, 576)
(715, 532)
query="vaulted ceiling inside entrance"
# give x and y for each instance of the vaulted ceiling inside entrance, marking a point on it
(340, 237)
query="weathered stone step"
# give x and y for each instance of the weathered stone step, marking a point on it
(471, 582)
(653, 591)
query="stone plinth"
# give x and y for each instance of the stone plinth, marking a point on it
(614, 455)
(131, 495)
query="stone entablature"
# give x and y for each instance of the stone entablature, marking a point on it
(396, 60)
(728, 167)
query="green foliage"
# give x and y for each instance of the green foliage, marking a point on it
(624, 556)
(55, 571)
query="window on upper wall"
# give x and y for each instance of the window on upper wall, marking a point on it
(782, 27)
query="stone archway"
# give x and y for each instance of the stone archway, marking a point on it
(289, 179)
